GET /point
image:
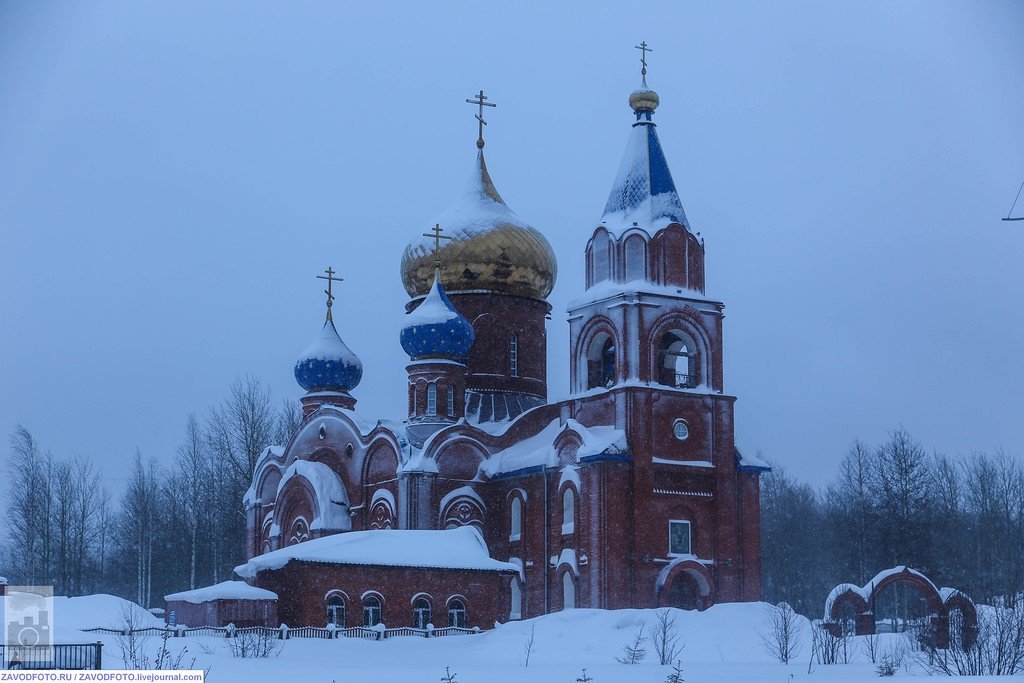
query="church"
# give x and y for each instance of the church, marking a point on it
(491, 503)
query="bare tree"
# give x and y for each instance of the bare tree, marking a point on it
(665, 637)
(781, 637)
(528, 648)
(193, 478)
(255, 643)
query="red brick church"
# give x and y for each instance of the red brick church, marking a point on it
(491, 503)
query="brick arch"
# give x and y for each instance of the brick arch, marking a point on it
(459, 457)
(462, 510)
(940, 604)
(594, 327)
(381, 464)
(686, 570)
(600, 240)
(690, 325)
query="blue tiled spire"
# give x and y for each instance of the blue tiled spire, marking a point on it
(644, 192)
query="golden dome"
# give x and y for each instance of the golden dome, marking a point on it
(644, 99)
(492, 248)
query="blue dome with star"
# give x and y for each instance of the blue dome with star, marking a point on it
(435, 329)
(328, 364)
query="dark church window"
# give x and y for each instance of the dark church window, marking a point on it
(677, 357)
(457, 614)
(601, 362)
(451, 401)
(371, 611)
(421, 613)
(336, 611)
(678, 537)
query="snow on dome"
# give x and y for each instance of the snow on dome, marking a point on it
(460, 548)
(328, 363)
(435, 329)
(225, 590)
(331, 499)
(643, 193)
(492, 248)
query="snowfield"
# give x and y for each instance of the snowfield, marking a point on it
(721, 645)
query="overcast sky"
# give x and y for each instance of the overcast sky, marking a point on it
(173, 175)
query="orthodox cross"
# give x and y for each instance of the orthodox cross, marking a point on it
(330, 289)
(437, 237)
(643, 60)
(481, 102)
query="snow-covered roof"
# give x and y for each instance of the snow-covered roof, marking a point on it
(460, 548)
(539, 450)
(751, 462)
(643, 193)
(3, 581)
(225, 590)
(866, 590)
(332, 501)
(607, 289)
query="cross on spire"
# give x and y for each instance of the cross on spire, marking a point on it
(643, 60)
(481, 102)
(330, 289)
(435, 234)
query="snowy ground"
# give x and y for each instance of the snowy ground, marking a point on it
(722, 645)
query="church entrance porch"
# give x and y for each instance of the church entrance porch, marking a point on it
(685, 584)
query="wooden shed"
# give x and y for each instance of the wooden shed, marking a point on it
(228, 602)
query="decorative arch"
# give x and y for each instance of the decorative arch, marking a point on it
(600, 257)
(381, 464)
(941, 602)
(382, 510)
(634, 256)
(458, 456)
(569, 504)
(569, 583)
(599, 355)
(685, 578)
(462, 507)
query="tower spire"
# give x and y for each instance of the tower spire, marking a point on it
(330, 290)
(481, 102)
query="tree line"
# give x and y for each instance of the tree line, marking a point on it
(959, 520)
(172, 527)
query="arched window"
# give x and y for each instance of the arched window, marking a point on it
(336, 611)
(568, 511)
(457, 613)
(431, 399)
(513, 356)
(451, 401)
(568, 591)
(371, 611)
(636, 258)
(601, 362)
(516, 529)
(421, 613)
(517, 600)
(677, 354)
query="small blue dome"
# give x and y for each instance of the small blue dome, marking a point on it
(328, 364)
(435, 329)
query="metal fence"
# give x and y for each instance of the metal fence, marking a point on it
(60, 656)
(286, 633)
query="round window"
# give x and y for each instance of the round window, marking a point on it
(681, 430)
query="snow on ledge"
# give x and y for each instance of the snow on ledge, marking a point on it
(684, 463)
(462, 491)
(461, 548)
(331, 498)
(225, 590)
(610, 289)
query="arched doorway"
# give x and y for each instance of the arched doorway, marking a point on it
(686, 584)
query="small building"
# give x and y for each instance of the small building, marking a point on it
(228, 602)
(390, 577)
(3, 586)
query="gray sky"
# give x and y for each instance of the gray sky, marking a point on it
(173, 174)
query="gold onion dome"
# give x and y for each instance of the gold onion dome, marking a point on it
(492, 249)
(644, 99)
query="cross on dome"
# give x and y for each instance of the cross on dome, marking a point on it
(437, 237)
(330, 290)
(643, 60)
(481, 102)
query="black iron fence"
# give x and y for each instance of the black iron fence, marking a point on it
(61, 656)
(286, 633)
